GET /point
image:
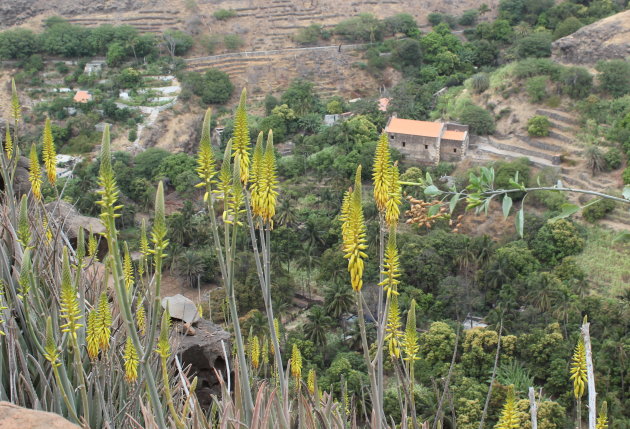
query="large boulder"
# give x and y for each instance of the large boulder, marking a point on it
(14, 417)
(606, 39)
(205, 353)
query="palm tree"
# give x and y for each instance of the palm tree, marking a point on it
(338, 299)
(307, 258)
(190, 265)
(317, 326)
(595, 159)
(287, 215)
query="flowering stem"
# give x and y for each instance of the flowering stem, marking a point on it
(376, 407)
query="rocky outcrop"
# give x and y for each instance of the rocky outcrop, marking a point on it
(14, 417)
(606, 39)
(205, 351)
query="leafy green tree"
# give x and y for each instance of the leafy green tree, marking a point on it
(538, 126)
(566, 27)
(177, 42)
(116, 54)
(128, 78)
(171, 167)
(363, 28)
(556, 240)
(479, 119)
(436, 348)
(300, 97)
(614, 77)
(146, 162)
(577, 82)
(67, 40)
(401, 23)
(308, 35)
(217, 87)
(469, 17)
(18, 43)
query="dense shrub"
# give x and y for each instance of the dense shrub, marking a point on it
(223, 14)
(504, 171)
(401, 23)
(577, 82)
(233, 42)
(598, 210)
(469, 17)
(537, 45)
(363, 28)
(556, 240)
(480, 120)
(626, 176)
(480, 82)
(536, 88)
(613, 158)
(538, 126)
(308, 35)
(614, 77)
(214, 86)
(536, 67)
(566, 27)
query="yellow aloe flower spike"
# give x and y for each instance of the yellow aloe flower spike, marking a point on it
(354, 233)
(51, 352)
(255, 352)
(224, 187)
(163, 346)
(70, 311)
(8, 144)
(49, 154)
(602, 418)
(236, 201)
(410, 339)
(296, 365)
(206, 162)
(391, 266)
(128, 269)
(310, 381)
(255, 175)
(578, 369)
(141, 319)
(104, 322)
(394, 197)
(24, 228)
(16, 109)
(268, 182)
(158, 233)
(382, 161)
(92, 334)
(130, 361)
(92, 245)
(265, 351)
(393, 329)
(35, 174)
(241, 142)
(509, 418)
(108, 187)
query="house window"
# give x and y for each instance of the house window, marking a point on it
(455, 150)
(426, 146)
(391, 136)
(404, 143)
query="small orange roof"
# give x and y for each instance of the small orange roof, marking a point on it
(454, 135)
(414, 128)
(82, 97)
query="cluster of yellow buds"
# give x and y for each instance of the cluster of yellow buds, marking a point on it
(353, 232)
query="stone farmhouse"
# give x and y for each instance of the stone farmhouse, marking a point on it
(428, 142)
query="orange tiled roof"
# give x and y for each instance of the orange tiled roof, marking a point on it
(414, 128)
(82, 97)
(454, 135)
